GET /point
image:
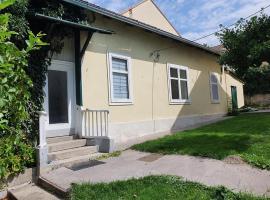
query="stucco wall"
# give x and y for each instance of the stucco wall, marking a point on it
(231, 81)
(149, 79)
(67, 53)
(148, 13)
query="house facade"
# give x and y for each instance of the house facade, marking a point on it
(135, 83)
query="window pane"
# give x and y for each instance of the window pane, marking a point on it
(183, 74)
(120, 86)
(214, 78)
(215, 92)
(175, 89)
(173, 72)
(184, 90)
(58, 97)
(119, 64)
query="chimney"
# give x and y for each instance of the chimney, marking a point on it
(130, 12)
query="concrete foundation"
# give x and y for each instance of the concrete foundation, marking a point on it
(125, 133)
(105, 144)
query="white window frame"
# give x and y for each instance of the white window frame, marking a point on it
(178, 101)
(117, 101)
(214, 101)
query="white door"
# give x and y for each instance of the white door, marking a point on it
(60, 99)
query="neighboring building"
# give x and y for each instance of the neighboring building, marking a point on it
(145, 91)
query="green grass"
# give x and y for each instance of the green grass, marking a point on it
(154, 187)
(247, 136)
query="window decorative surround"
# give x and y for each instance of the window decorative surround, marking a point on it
(178, 82)
(214, 88)
(120, 79)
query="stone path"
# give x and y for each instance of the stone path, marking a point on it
(237, 177)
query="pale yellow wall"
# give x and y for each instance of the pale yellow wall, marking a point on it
(231, 81)
(67, 53)
(148, 13)
(138, 44)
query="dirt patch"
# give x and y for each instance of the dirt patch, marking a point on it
(234, 160)
(150, 158)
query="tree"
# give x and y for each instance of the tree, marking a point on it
(248, 52)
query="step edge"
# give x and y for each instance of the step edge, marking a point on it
(73, 149)
(66, 142)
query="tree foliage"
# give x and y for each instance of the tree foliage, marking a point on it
(248, 52)
(15, 150)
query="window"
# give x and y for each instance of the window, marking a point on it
(214, 88)
(178, 84)
(119, 79)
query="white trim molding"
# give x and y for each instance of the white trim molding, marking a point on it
(180, 100)
(119, 101)
(53, 129)
(214, 101)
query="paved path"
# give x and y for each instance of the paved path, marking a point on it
(137, 164)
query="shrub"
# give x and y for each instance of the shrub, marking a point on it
(15, 151)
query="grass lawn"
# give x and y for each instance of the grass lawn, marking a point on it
(154, 187)
(247, 136)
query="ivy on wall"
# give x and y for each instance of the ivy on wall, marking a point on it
(40, 60)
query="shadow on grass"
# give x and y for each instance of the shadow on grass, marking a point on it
(213, 146)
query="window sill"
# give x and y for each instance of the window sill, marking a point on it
(180, 103)
(215, 102)
(121, 103)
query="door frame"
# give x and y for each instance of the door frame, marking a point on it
(63, 128)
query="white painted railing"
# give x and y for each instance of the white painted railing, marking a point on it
(95, 123)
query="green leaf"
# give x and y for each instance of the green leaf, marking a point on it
(6, 3)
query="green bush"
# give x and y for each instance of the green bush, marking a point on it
(15, 150)
(15, 154)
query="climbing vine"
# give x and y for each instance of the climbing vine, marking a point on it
(39, 61)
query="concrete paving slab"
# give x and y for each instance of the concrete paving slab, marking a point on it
(31, 192)
(237, 177)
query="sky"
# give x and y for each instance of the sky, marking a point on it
(196, 18)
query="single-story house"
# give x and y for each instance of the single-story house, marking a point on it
(126, 78)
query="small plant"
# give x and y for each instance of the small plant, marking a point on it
(109, 155)
(231, 110)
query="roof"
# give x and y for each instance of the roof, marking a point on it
(233, 74)
(142, 1)
(219, 48)
(136, 23)
(71, 24)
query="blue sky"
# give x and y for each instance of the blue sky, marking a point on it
(196, 18)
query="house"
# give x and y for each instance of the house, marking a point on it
(127, 78)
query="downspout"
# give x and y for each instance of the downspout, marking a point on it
(78, 67)
(156, 56)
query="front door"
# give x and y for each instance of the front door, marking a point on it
(234, 98)
(59, 100)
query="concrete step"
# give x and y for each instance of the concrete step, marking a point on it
(75, 162)
(60, 146)
(69, 153)
(52, 140)
(30, 192)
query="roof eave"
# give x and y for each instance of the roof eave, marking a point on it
(71, 24)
